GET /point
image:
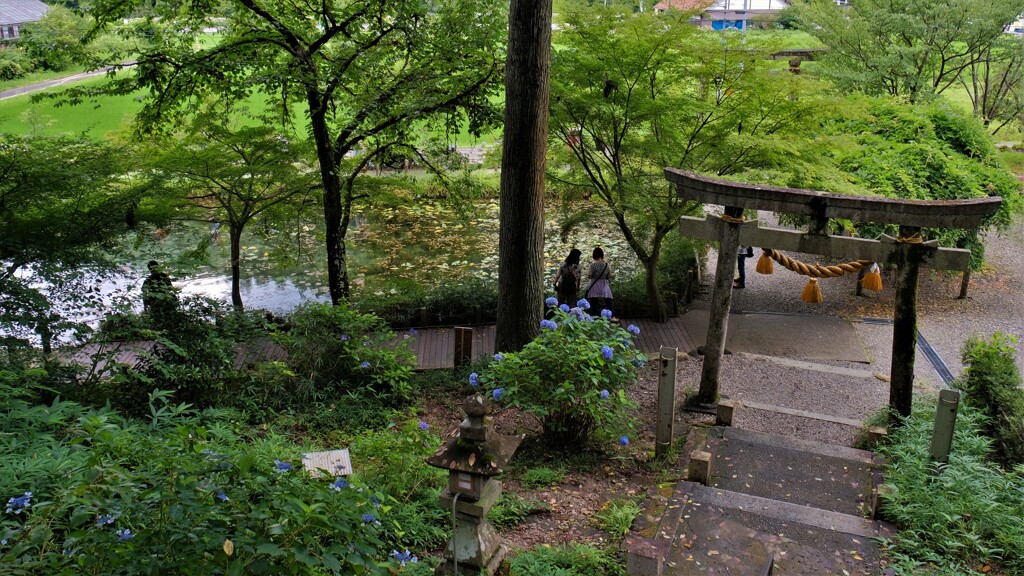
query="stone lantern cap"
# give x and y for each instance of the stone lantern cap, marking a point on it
(474, 447)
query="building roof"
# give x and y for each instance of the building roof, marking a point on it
(21, 11)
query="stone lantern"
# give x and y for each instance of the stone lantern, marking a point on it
(472, 455)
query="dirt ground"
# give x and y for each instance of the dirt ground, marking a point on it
(591, 480)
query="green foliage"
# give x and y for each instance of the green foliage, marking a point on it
(393, 462)
(54, 42)
(336, 349)
(568, 560)
(572, 377)
(541, 476)
(634, 93)
(907, 48)
(13, 64)
(461, 301)
(992, 383)
(923, 152)
(512, 510)
(179, 493)
(954, 517)
(616, 517)
(60, 199)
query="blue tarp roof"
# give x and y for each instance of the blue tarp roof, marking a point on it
(21, 11)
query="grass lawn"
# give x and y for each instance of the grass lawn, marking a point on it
(107, 114)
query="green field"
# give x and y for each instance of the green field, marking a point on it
(97, 118)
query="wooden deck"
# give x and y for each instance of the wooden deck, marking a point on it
(435, 347)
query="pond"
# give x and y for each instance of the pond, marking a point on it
(388, 248)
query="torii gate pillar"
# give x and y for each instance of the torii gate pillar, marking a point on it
(721, 301)
(904, 328)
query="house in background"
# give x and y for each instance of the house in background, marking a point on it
(14, 14)
(725, 14)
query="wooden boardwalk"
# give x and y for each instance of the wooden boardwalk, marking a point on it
(435, 347)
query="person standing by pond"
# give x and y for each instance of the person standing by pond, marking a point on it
(159, 296)
(599, 291)
(567, 278)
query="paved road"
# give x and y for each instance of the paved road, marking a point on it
(21, 90)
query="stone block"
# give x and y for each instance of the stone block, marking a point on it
(724, 414)
(699, 468)
(645, 557)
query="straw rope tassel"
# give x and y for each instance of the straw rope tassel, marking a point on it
(764, 263)
(812, 292)
(872, 279)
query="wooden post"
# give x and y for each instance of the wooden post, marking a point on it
(666, 402)
(945, 422)
(965, 283)
(904, 329)
(721, 299)
(463, 346)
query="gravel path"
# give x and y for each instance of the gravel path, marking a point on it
(995, 303)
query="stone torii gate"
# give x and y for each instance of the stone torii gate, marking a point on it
(907, 253)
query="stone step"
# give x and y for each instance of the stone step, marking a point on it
(723, 532)
(807, 473)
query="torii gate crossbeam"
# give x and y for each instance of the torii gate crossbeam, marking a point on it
(910, 215)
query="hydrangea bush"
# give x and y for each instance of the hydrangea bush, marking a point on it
(90, 492)
(572, 377)
(341, 349)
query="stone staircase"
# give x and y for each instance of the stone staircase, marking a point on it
(756, 504)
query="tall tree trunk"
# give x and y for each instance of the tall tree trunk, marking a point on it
(521, 227)
(655, 304)
(337, 273)
(236, 266)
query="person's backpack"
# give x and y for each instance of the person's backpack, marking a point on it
(567, 284)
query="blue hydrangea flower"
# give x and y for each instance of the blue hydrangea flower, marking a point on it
(125, 534)
(366, 342)
(550, 324)
(499, 357)
(497, 393)
(104, 519)
(606, 351)
(339, 484)
(639, 362)
(606, 313)
(474, 379)
(370, 519)
(624, 441)
(282, 466)
(551, 301)
(583, 304)
(633, 328)
(404, 557)
(344, 337)
(564, 307)
(412, 332)
(18, 503)
(423, 425)
(221, 496)
(365, 364)
(375, 501)
(604, 394)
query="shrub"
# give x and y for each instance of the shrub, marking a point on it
(470, 301)
(952, 517)
(181, 493)
(569, 560)
(992, 383)
(572, 377)
(338, 349)
(13, 64)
